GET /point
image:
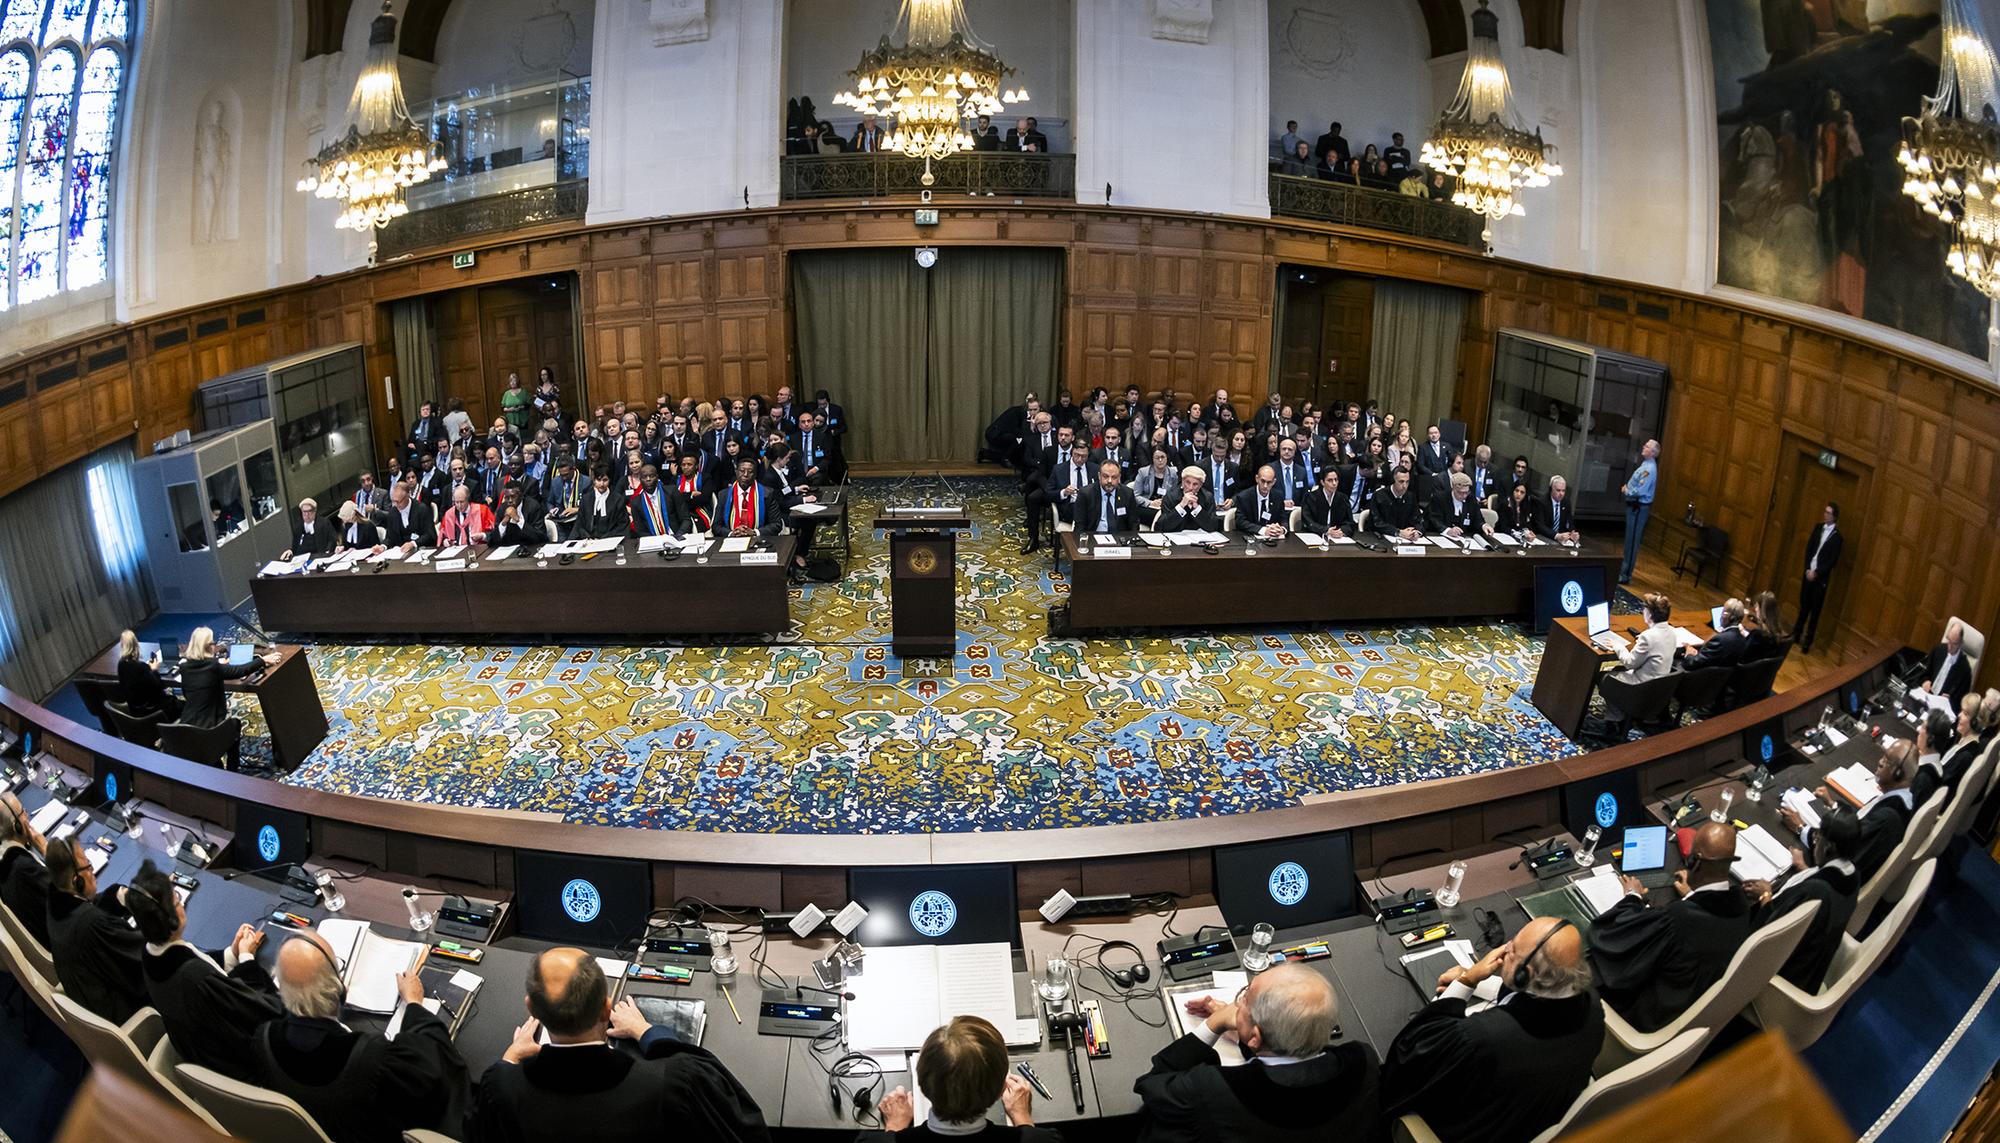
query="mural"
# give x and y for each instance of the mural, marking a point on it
(1810, 96)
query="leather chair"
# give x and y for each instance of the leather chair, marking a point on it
(208, 745)
(1753, 966)
(1700, 690)
(126, 1049)
(29, 964)
(1637, 704)
(1974, 646)
(1802, 1018)
(1710, 553)
(96, 695)
(140, 730)
(1750, 682)
(246, 1111)
(1893, 878)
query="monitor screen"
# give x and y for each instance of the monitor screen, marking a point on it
(1764, 744)
(240, 653)
(936, 905)
(1851, 699)
(1286, 883)
(266, 837)
(1563, 591)
(600, 901)
(1715, 618)
(1607, 802)
(1600, 618)
(110, 781)
(1645, 849)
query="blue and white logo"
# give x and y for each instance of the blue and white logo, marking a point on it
(1767, 748)
(933, 913)
(1606, 810)
(267, 843)
(111, 787)
(1572, 597)
(581, 900)
(1288, 883)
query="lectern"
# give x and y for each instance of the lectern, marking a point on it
(923, 579)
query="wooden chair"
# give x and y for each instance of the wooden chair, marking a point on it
(1710, 553)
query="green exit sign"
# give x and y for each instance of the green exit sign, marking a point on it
(927, 216)
(463, 260)
(1829, 459)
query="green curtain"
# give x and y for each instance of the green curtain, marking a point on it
(1413, 361)
(923, 359)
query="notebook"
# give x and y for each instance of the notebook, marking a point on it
(685, 1020)
(368, 963)
(905, 991)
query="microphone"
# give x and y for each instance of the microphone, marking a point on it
(801, 987)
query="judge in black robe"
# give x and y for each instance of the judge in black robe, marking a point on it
(209, 1002)
(24, 880)
(96, 951)
(1651, 963)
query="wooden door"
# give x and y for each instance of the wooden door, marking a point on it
(459, 354)
(1345, 342)
(1805, 489)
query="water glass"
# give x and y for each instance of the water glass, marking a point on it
(1760, 780)
(722, 954)
(329, 892)
(1454, 879)
(1257, 957)
(1721, 811)
(1587, 855)
(1057, 976)
(421, 919)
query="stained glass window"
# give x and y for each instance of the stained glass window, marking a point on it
(58, 134)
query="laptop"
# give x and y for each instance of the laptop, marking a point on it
(240, 654)
(1645, 856)
(1598, 615)
(1715, 618)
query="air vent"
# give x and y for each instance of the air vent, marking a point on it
(13, 393)
(1653, 310)
(1613, 302)
(250, 317)
(49, 379)
(211, 327)
(106, 358)
(166, 339)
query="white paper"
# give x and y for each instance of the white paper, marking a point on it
(1855, 781)
(1803, 804)
(1210, 538)
(652, 543)
(1601, 890)
(469, 981)
(607, 544)
(1440, 541)
(735, 544)
(1760, 856)
(447, 553)
(284, 567)
(1312, 540)
(372, 963)
(809, 509)
(45, 818)
(420, 556)
(384, 556)
(1222, 989)
(613, 969)
(1504, 540)
(395, 1027)
(905, 992)
(696, 545)
(502, 553)
(1833, 735)
(98, 858)
(1154, 539)
(1343, 539)
(1686, 638)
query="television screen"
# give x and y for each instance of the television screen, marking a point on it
(936, 905)
(268, 837)
(1566, 590)
(600, 901)
(1608, 802)
(1288, 882)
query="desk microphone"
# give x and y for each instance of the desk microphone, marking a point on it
(800, 988)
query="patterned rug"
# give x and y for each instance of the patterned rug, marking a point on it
(824, 731)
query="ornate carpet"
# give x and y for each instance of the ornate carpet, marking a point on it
(823, 730)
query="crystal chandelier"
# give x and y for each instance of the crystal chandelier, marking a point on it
(1951, 151)
(927, 88)
(1479, 140)
(383, 151)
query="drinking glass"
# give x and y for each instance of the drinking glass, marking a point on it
(1257, 957)
(1057, 974)
(329, 892)
(722, 955)
(1721, 811)
(1587, 855)
(1454, 878)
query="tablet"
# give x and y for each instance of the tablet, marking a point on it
(1645, 849)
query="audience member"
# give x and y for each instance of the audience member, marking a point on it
(1026, 136)
(1331, 150)
(1396, 160)
(963, 1071)
(1299, 163)
(1651, 963)
(1289, 141)
(209, 1002)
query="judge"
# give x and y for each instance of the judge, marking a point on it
(314, 537)
(95, 948)
(1511, 1071)
(962, 1069)
(359, 1086)
(1976, 718)
(24, 880)
(548, 1091)
(1109, 508)
(1651, 963)
(210, 1003)
(1190, 510)
(1869, 835)
(602, 514)
(1948, 672)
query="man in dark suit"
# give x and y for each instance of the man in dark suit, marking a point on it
(1044, 445)
(1335, 144)
(1294, 1087)
(406, 525)
(1192, 510)
(91, 939)
(1948, 672)
(1485, 479)
(1224, 478)
(518, 521)
(1295, 474)
(544, 1091)
(985, 136)
(1260, 509)
(314, 537)
(1115, 452)
(359, 1086)
(1026, 136)
(1867, 835)
(602, 513)
(1434, 455)
(1557, 518)
(1512, 1070)
(491, 479)
(818, 451)
(1652, 963)
(1110, 508)
(24, 880)
(1455, 514)
(1726, 647)
(425, 432)
(1036, 493)
(1392, 514)
(369, 497)
(1823, 547)
(567, 489)
(1518, 474)
(1438, 484)
(209, 1002)
(1004, 435)
(1326, 510)
(1065, 483)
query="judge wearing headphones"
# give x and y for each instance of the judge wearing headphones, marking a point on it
(209, 1002)
(1512, 1070)
(95, 947)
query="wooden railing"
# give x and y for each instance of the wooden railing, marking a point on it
(1347, 204)
(494, 214)
(1001, 174)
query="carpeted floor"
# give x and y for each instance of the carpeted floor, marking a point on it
(825, 731)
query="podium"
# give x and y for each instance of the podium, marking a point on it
(923, 579)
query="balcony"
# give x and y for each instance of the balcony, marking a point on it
(1000, 174)
(1346, 204)
(455, 222)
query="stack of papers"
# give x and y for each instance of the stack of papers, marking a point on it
(284, 567)
(1855, 783)
(369, 963)
(1760, 856)
(809, 509)
(906, 991)
(1802, 804)
(1424, 971)
(1222, 988)
(1312, 540)
(501, 553)
(735, 544)
(1505, 540)
(45, 819)
(1686, 638)
(1600, 890)
(1153, 539)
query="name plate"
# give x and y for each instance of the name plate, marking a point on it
(450, 565)
(758, 559)
(1121, 552)
(1410, 549)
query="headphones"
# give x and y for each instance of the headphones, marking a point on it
(1131, 977)
(1520, 980)
(332, 964)
(861, 1066)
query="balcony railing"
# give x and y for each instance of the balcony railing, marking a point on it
(1002, 174)
(494, 214)
(1351, 205)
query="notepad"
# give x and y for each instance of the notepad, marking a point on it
(1153, 539)
(809, 509)
(45, 818)
(1312, 540)
(1760, 856)
(502, 553)
(906, 991)
(1601, 890)
(1855, 783)
(369, 963)
(1222, 989)
(1803, 804)
(685, 1020)
(1426, 966)
(735, 544)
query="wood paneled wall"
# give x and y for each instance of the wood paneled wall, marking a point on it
(697, 306)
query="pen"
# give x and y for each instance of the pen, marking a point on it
(1034, 1081)
(732, 1006)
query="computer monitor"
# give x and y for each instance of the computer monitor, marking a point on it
(267, 837)
(1608, 802)
(588, 901)
(936, 905)
(1286, 883)
(110, 781)
(1564, 590)
(1764, 744)
(1645, 849)
(1715, 618)
(240, 654)
(1600, 618)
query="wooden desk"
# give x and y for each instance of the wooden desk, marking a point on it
(287, 694)
(709, 594)
(1294, 583)
(1567, 674)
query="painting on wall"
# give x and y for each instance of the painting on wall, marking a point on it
(1810, 96)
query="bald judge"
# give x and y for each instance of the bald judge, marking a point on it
(1512, 1070)
(1651, 963)
(578, 1082)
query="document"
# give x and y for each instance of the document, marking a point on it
(369, 963)
(904, 992)
(1760, 856)
(447, 553)
(1855, 783)
(735, 544)
(1426, 966)
(1441, 542)
(1222, 988)
(652, 543)
(1154, 539)
(45, 819)
(810, 509)
(1834, 737)
(1343, 539)
(1208, 537)
(1502, 539)
(607, 544)
(284, 567)
(1600, 890)
(502, 553)
(1312, 540)
(1686, 638)
(1803, 804)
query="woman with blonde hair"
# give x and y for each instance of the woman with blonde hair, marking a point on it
(140, 686)
(202, 678)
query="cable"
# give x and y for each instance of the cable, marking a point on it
(1122, 995)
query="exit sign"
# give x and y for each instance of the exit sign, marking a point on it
(463, 260)
(927, 216)
(1829, 459)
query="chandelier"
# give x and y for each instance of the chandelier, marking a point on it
(383, 151)
(941, 76)
(1951, 152)
(1479, 140)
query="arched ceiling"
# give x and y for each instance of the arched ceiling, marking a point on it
(1541, 25)
(326, 27)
